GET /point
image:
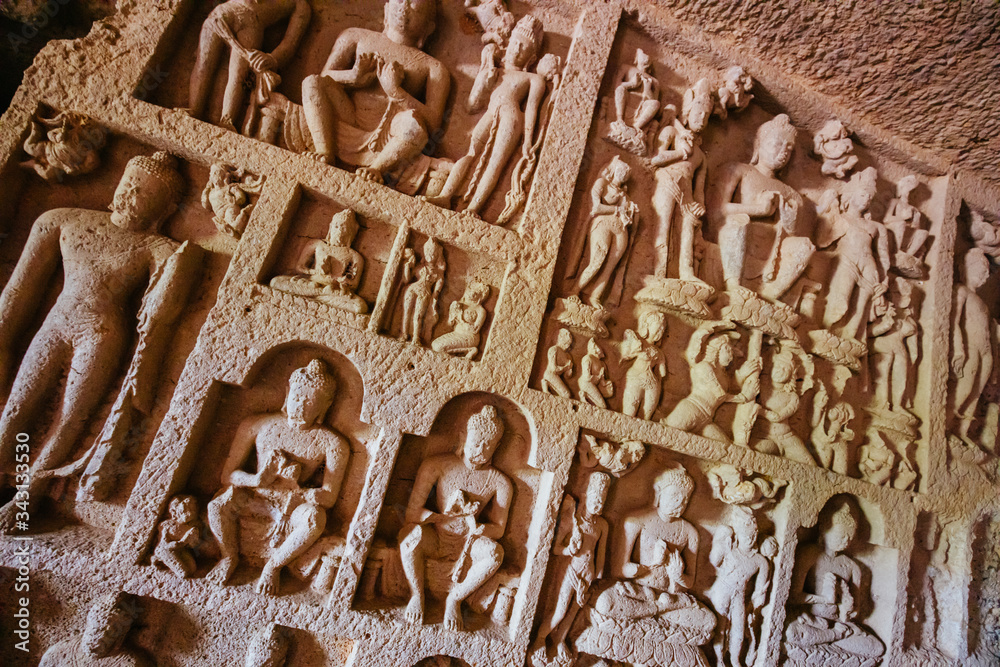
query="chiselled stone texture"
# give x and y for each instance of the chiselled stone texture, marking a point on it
(497, 334)
(919, 70)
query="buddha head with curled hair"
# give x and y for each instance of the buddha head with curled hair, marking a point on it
(672, 491)
(482, 435)
(149, 191)
(773, 145)
(839, 528)
(311, 390)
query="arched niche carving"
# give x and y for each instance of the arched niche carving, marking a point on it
(254, 475)
(422, 467)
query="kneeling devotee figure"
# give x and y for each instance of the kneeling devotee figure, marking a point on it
(473, 501)
(827, 590)
(648, 607)
(290, 447)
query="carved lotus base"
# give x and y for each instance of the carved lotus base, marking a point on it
(749, 309)
(627, 137)
(844, 351)
(686, 298)
(648, 641)
(582, 317)
(825, 656)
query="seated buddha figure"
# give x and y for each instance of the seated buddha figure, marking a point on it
(827, 591)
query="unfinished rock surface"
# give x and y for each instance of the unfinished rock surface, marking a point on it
(487, 334)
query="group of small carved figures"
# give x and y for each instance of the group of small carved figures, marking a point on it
(636, 590)
(514, 102)
(642, 612)
(854, 312)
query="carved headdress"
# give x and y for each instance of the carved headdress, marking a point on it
(780, 125)
(530, 30)
(674, 477)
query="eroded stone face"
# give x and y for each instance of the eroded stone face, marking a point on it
(484, 335)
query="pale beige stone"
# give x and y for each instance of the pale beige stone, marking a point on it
(389, 379)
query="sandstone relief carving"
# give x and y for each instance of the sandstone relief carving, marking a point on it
(712, 313)
(329, 270)
(595, 387)
(238, 26)
(648, 616)
(414, 84)
(178, 535)
(817, 298)
(618, 459)
(289, 449)
(474, 500)
(744, 574)
(585, 543)
(452, 535)
(735, 93)
(104, 637)
(829, 594)
(227, 196)
(503, 126)
(833, 143)
(751, 194)
(466, 317)
(424, 279)
(68, 144)
(609, 236)
(86, 331)
(560, 365)
(636, 80)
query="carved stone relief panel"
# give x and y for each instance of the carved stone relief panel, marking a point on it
(110, 272)
(332, 257)
(288, 456)
(452, 539)
(439, 296)
(659, 559)
(843, 591)
(974, 400)
(436, 99)
(485, 333)
(722, 283)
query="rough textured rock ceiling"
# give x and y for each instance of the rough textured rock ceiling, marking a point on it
(928, 71)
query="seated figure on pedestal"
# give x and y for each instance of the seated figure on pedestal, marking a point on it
(414, 84)
(290, 447)
(658, 623)
(330, 269)
(749, 194)
(827, 588)
(472, 501)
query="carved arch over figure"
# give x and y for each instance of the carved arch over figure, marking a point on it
(283, 461)
(471, 468)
